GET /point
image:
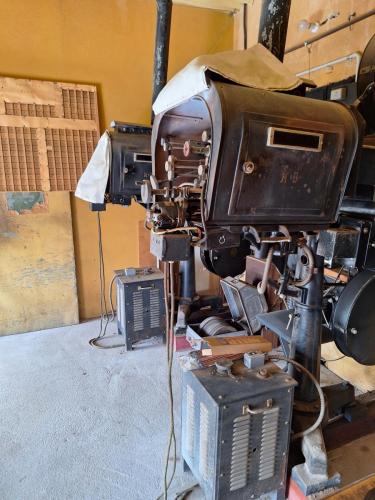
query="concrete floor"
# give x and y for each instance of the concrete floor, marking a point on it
(83, 423)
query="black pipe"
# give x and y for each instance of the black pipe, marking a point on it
(163, 29)
(245, 26)
(273, 26)
(331, 31)
(307, 331)
(187, 268)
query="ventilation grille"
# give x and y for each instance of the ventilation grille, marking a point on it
(48, 132)
(155, 308)
(203, 441)
(240, 459)
(138, 310)
(268, 443)
(29, 109)
(68, 152)
(190, 424)
(79, 104)
(19, 162)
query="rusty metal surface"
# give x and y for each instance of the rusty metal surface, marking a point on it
(273, 25)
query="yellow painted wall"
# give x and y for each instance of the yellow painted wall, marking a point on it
(109, 43)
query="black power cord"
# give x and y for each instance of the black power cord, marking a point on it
(105, 317)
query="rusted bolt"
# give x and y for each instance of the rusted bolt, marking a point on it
(263, 372)
(248, 167)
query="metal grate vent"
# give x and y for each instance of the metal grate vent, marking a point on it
(268, 443)
(155, 308)
(19, 161)
(79, 104)
(68, 152)
(48, 132)
(190, 424)
(29, 109)
(138, 310)
(240, 459)
(203, 441)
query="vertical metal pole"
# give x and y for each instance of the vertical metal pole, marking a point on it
(273, 26)
(163, 28)
(307, 328)
(245, 26)
(188, 276)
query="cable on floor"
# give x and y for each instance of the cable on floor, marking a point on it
(169, 300)
(105, 317)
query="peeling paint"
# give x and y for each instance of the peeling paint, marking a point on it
(26, 203)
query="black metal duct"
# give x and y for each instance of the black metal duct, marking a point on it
(273, 26)
(163, 28)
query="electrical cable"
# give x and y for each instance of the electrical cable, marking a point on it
(169, 300)
(105, 318)
(172, 436)
(319, 420)
(324, 361)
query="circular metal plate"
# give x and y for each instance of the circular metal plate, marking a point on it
(354, 319)
(226, 261)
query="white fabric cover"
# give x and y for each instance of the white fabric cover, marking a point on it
(91, 186)
(255, 67)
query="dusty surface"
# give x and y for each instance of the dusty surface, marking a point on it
(81, 423)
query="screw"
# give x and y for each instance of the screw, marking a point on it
(354, 331)
(221, 475)
(223, 442)
(365, 230)
(263, 372)
(220, 396)
(286, 422)
(248, 167)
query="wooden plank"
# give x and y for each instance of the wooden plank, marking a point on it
(44, 122)
(364, 488)
(43, 159)
(214, 346)
(226, 5)
(29, 91)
